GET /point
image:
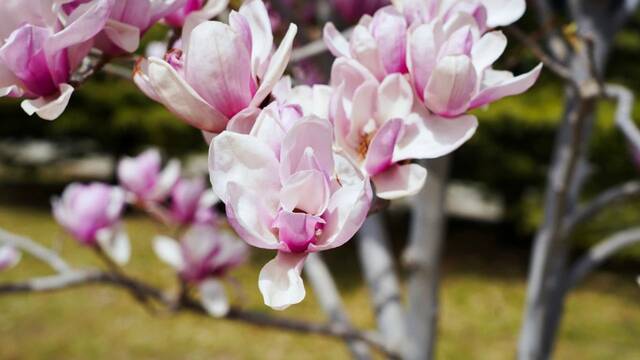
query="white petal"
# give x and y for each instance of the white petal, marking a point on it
(214, 298)
(168, 178)
(336, 43)
(115, 244)
(123, 35)
(169, 251)
(49, 108)
(504, 12)
(487, 50)
(400, 181)
(280, 282)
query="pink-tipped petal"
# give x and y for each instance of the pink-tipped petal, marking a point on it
(251, 216)
(277, 66)
(487, 50)
(49, 108)
(115, 244)
(504, 12)
(400, 181)
(422, 53)
(217, 67)
(309, 135)
(389, 28)
(336, 43)
(429, 136)
(181, 99)
(257, 16)
(280, 282)
(364, 49)
(395, 98)
(451, 87)
(125, 36)
(514, 86)
(347, 210)
(307, 191)
(380, 153)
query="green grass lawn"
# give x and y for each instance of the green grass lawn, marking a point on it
(482, 298)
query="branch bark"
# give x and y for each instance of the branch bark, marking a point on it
(38, 251)
(624, 119)
(378, 265)
(329, 298)
(422, 259)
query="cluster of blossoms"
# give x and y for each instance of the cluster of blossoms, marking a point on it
(296, 175)
(297, 167)
(91, 214)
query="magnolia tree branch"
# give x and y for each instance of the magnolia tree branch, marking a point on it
(378, 265)
(38, 251)
(326, 292)
(624, 111)
(600, 253)
(68, 278)
(422, 259)
(616, 195)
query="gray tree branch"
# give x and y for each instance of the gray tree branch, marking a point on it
(36, 250)
(326, 292)
(422, 258)
(624, 111)
(378, 265)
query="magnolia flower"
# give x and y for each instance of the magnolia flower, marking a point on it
(9, 257)
(451, 68)
(204, 255)
(378, 42)
(91, 214)
(195, 11)
(192, 202)
(380, 127)
(39, 54)
(143, 178)
(282, 192)
(311, 100)
(222, 74)
(128, 21)
(352, 10)
(488, 13)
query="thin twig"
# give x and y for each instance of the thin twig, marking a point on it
(36, 250)
(607, 198)
(555, 66)
(600, 253)
(624, 111)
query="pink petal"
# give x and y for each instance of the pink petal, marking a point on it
(422, 53)
(124, 36)
(49, 108)
(256, 15)
(350, 73)
(336, 43)
(307, 191)
(364, 49)
(251, 215)
(400, 181)
(395, 98)
(280, 282)
(347, 210)
(246, 161)
(428, 136)
(277, 66)
(311, 134)
(451, 87)
(514, 86)
(296, 231)
(380, 153)
(487, 50)
(389, 28)
(181, 99)
(217, 67)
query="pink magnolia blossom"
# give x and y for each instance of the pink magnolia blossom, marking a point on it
(222, 74)
(378, 42)
(192, 202)
(284, 190)
(488, 13)
(143, 178)
(9, 257)
(451, 67)
(128, 21)
(91, 214)
(39, 52)
(380, 126)
(311, 100)
(203, 256)
(352, 10)
(196, 11)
